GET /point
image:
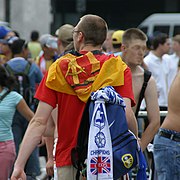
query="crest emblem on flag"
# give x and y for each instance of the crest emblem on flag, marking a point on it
(99, 121)
(100, 140)
(99, 165)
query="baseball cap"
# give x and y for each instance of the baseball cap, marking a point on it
(48, 40)
(9, 41)
(117, 37)
(3, 31)
(43, 39)
(51, 42)
(64, 33)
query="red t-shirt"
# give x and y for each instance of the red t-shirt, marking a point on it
(70, 110)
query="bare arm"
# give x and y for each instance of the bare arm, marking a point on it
(50, 128)
(31, 139)
(50, 161)
(131, 120)
(24, 110)
(153, 114)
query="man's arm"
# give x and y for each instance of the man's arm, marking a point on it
(153, 114)
(131, 120)
(50, 160)
(31, 139)
(51, 130)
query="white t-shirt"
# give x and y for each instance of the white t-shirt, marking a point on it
(160, 71)
(173, 61)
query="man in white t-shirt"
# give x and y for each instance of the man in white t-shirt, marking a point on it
(159, 67)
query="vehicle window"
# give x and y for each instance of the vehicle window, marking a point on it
(176, 30)
(163, 29)
(144, 29)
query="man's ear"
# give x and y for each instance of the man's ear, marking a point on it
(80, 36)
(123, 48)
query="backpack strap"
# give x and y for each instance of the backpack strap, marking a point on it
(147, 75)
(8, 69)
(27, 68)
(4, 95)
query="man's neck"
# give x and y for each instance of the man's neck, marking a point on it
(157, 53)
(18, 55)
(61, 50)
(130, 65)
(133, 68)
(89, 47)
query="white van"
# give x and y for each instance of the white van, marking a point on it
(168, 23)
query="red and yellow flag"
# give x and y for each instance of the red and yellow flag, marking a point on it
(81, 75)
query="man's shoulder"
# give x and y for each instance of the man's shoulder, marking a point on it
(16, 60)
(140, 70)
(17, 64)
(150, 55)
(138, 75)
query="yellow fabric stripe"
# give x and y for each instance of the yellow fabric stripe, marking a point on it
(95, 63)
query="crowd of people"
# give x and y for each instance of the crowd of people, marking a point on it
(62, 69)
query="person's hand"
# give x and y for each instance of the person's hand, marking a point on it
(83, 178)
(18, 174)
(50, 167)
(141, 144)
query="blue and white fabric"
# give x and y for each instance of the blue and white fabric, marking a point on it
(100, 155)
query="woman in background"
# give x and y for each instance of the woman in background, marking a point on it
(10, 101)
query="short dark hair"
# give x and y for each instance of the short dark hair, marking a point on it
(18, 45)
(5, 79)
(133, 33)
(158, 38)
(34, 35)
(94, 29)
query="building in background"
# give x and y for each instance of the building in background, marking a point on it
(27, 15)
(47, 15)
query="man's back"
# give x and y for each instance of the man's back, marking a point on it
(34, 48)
(67, 115)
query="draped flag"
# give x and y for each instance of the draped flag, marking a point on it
(84, 74)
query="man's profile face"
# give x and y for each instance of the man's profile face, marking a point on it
(135, 51)
(166, 46)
